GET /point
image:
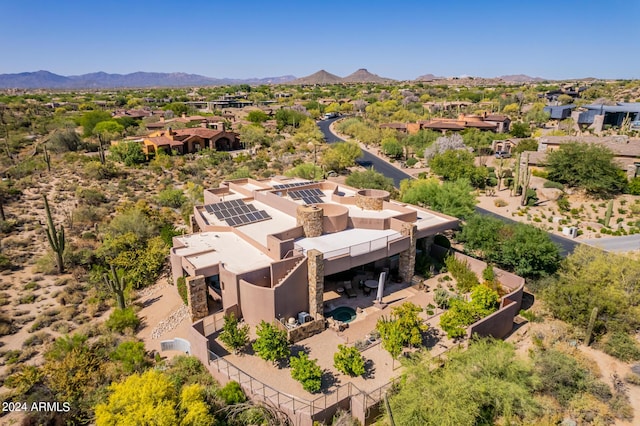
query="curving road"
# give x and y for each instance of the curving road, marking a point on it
(566, 245)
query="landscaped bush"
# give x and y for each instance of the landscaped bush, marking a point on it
(123, 319)
(232, 393)
(466, 279)
(499, 202)
(171, 197)
(411, 162)
(349, 361)
(552, 184)
(307, 372)
(182, 289)
(461, 314)
(441, 297)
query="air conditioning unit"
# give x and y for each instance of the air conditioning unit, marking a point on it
(304, 317)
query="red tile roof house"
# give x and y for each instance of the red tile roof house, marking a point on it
(185, 141)
(493, 122)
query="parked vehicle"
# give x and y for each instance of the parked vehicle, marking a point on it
(329, 115)
(503, 154)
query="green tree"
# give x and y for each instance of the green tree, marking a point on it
(481, 385)
(521, 248)
(108, 130)
(520, 130)
(233, 335)
(525, 145)
(370, 179)
(451, 198)
(254, 135)
(391, 336)
(306, 371)
(587, 166)
(349, 361)
(129, 153)
(341, 155)
(272, 343)
(410, 324)
(90, 119)
(306, 171)
(458, 164)
(194, 410)
(391, 147)
(257, 116)
(178, 108)
(591, 278)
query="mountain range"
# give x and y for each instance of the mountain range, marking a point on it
(102, 80)
(49, 80)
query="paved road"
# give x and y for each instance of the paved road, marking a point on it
(616, 244)
(379, 165)
(566, 245)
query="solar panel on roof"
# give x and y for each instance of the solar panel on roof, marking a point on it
(218, 215)
(314, 199)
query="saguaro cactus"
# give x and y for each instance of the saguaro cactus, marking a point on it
(117, 286)
(607, 217)
(516, 177)
(526, 176)
(56, 237)
(47, 157)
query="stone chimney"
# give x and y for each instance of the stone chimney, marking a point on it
(310, 217)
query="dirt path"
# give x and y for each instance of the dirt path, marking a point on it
(610, 366)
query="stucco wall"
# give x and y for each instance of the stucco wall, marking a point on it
(257, 303)
(292, 294)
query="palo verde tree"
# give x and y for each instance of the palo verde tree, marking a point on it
(56, 237)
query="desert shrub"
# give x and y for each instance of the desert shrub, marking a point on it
(171, 197)
(466, 279)
(441, 298)
(232, 393)
(622, 346)
(123, 319)
(411, 162)
(499, 202)
(540, 173)
(132, 357)
(552, 184)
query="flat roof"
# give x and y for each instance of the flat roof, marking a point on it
(355, 241)
(210, 248)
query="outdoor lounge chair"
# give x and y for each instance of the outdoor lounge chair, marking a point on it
(348, 290)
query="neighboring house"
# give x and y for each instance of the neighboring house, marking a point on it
(273, 249)
(505, 145)
(190, 140)
(626, 150)
(400, 127)
(559, 112)
(598, 117)
(492, 122)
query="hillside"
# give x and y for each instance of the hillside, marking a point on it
(364, 76)
(320, 77)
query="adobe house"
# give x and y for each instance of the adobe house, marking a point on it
(191, 140)
(271, 249)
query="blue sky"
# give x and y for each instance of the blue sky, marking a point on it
(398, 39)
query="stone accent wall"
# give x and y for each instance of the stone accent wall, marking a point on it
(310, 218)
(306, 330)
(197, 297)
(315, 267)
(193, 225)
(368, 203)
(408, 257)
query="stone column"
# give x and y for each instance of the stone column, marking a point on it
(408, 257)
(310, 217)
(197, 297)
(315, 266)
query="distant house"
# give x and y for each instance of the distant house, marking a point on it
(626, 150)
(185, 141)
(492, 122)
(400, 127)
(599, 116)
(559, 112)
